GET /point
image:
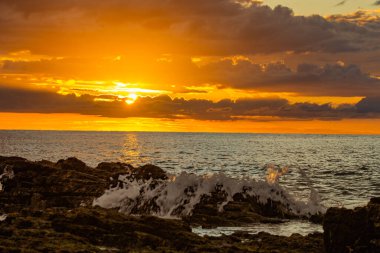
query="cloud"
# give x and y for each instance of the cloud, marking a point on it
(37, 101)
(197, 27)
(307, 79)
(369, 105)
(81, 39)
(335, 79)
(365, 18)
(377, 2)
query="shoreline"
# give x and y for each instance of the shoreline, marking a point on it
(55, 199)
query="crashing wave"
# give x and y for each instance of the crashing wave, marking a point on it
(7, 174)
(179, 196)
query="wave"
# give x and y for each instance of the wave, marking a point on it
(178, 196)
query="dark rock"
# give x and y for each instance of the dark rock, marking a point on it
(24, 224)
(352, 230)
(11, 159)
(67, 183)
(269, 209)
(234, 214)
(37, 202)
(150, 171)
(242, 210)
(71, 163)
(144, 173)
(96, 230)
(374, 201)
(316, 218)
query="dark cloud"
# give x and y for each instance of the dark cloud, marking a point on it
(369, 105)
(203, 27)
(368, 19)
(27, 101)
(307, 79)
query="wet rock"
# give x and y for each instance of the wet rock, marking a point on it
(317, 218)
(149, 171)
(235, 213)
(67, 183)
(72, 163)
(239, 211)
(97, 229)
(11, 159)
(144, 172)
(37, 202)
(93, 229)
(353, 230)
(271, 208)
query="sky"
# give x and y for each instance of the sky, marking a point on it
(274, 66)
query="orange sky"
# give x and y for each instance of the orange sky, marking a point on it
(200, 65)
(33, 121)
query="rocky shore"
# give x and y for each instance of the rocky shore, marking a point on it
(51, 207)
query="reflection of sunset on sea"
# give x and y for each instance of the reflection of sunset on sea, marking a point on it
(246, 67)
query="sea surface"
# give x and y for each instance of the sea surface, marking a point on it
(343, 169)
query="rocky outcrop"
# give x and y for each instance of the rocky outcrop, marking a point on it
(67, 183)
(238, 212)
(46, 206)
(100, 230)
(71, 183)
(358, 230)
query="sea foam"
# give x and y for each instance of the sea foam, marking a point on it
(178, 195)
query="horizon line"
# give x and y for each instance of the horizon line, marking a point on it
(188, 132)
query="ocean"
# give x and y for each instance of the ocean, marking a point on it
(344, 170)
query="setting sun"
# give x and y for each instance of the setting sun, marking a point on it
(131, 98)
(227, 69)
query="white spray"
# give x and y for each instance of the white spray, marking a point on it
(177, 196)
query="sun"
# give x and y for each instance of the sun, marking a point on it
(131, 98)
